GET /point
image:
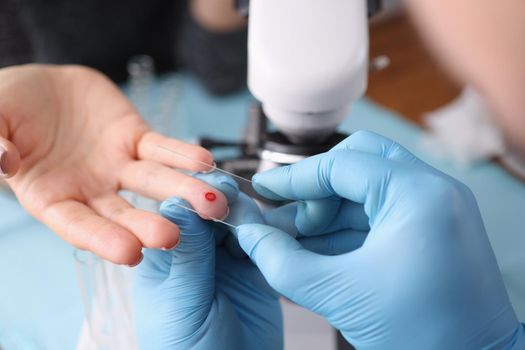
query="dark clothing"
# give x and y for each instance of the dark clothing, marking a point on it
(104, 34)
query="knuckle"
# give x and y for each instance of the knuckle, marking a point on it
(442, 193)
(395, 150)
(325, 169)
(118, 212)
(363, 134)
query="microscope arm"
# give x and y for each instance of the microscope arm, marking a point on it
(307, 62)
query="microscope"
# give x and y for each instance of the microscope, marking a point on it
(307, 64)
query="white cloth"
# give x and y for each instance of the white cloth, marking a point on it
(463, 131)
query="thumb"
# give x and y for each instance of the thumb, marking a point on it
(174, 290)
(195, 253)
(289, 268)
(9, 155)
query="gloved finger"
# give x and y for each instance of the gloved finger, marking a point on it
(285, 264)
(245, 211)
(370, 142)
(221, 182)
(195, 254)
(313, 216)
(362, 141)
(248, 280)
(337, 243)
(176, 288)
(349, 215)
(357, 176)
(154, 268)
(321, 216)
(283, 218)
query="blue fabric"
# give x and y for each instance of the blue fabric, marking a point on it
(40, 305)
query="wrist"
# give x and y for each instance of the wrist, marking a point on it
(216, 15)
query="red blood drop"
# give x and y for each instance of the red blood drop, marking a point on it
(210, 196)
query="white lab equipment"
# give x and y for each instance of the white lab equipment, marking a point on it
(106, 291)
(307, 62)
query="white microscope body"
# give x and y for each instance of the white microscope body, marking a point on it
(307, 62)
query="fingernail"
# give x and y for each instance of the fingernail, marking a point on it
(3, 154)
(213, 166)
(138, 262)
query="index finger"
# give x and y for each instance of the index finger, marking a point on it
(360, 177)
(174, 153)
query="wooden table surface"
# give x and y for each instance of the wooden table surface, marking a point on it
(413, 83)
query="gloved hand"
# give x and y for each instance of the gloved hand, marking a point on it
(419, 271)
(198, 296)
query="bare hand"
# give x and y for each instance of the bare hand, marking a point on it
(69, 141)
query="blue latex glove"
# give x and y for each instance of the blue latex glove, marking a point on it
(419, 272)
(198, 296)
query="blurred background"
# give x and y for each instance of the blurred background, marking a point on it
(47, 308)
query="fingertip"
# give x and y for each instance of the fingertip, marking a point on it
(265, 178)
(201, 159)
(125, 248)
(203, 200)
(162, 234)
(137, 262)
(204, 155)
(227, 185)
(211, 204)
(120, 249)
(175, 153)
